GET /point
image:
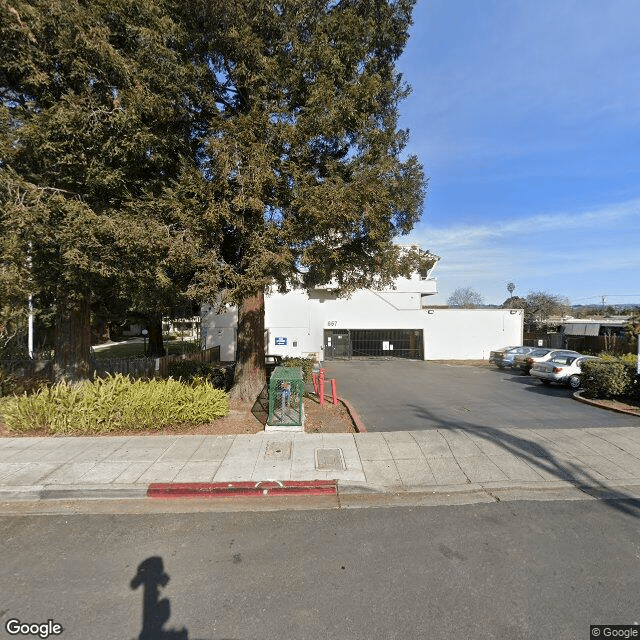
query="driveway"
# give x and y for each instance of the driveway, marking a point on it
(396, 395)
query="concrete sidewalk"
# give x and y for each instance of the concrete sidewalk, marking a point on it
(488, 463)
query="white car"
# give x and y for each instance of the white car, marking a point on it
(565, 369)
(541, 354)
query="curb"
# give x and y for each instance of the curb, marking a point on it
(357, 422)
(242, 489)
(72, 492)
(595, 403)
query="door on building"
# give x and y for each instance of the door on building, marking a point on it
(337, 344)
(374, 343)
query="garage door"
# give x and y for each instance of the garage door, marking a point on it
(343, 344)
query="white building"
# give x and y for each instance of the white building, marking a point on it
(393, 323)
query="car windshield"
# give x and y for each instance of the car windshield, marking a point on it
(563, 359)
(536, 353)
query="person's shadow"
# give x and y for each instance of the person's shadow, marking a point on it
(155, 612)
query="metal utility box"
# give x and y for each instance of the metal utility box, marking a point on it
(286, 390)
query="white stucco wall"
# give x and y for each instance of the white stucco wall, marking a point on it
(470, 334)
(295, 324)
(219, 329)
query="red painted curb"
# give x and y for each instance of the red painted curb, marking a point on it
(239, 489)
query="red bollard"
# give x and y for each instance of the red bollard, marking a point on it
(314, 378)
(321, 385)
(334, 391)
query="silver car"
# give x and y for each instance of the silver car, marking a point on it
(561, 369)
(508, 356)
(541, 354)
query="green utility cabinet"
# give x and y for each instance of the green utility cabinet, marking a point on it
(286, 390)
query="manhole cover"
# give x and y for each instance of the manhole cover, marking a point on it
(329, 460)
(278, 450)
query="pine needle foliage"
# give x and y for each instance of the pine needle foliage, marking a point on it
(115, 403)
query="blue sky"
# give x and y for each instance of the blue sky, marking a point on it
(526, 116)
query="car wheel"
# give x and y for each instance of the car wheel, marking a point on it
(545, 382)
(574, 382)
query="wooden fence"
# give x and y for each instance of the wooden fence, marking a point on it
(152, 367)
(542, 339)
(582, 344)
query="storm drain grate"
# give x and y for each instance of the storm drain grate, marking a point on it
(329, 460)
(278, 450)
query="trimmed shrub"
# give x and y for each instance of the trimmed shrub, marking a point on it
(305, 363)
(610, 378)
(188, 370)
(630, 359)
(114, 403)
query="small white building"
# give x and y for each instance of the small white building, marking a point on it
(393, 323)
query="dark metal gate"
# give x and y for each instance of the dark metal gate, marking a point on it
(337, 344)
(373, 343)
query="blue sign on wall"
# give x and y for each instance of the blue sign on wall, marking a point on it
(281, 341)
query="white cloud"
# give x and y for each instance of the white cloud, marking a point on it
(468, 235)
(569, 253)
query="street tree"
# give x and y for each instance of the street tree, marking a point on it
(305, 166)
(209, 150)
(633, 325)
(511, 287)
(465, 298)
(96, 118)
(514, 302)
(540, 305)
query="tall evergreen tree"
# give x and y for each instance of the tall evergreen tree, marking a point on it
(165, 148)
(305, 163)
(96, 117)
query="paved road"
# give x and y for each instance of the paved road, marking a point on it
(397, 395)
(509, 571)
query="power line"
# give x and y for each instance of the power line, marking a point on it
(611, 295)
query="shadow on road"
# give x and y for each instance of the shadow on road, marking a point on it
(155, 612)
(536, 456)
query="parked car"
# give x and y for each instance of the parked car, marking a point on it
(504, 357)
(496, 356)
(542, 354)
(561, 369)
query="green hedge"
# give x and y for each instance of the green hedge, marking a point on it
(113, 404)
(305, 363)
(14, 384)
(612, 377)
(188, 370)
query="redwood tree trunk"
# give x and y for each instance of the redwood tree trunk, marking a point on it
(73, 342)
(250, 373)
(154, 326)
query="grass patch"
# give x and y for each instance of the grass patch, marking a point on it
(112, 404)
(136, 350)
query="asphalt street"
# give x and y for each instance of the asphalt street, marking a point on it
(518, 570)
(401, 395)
